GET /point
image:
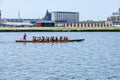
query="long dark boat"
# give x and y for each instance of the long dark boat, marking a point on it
(26, 41)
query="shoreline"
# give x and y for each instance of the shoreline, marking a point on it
(59, 29)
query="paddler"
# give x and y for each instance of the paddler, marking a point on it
(24, 36)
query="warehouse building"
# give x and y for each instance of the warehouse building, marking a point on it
(59, 16)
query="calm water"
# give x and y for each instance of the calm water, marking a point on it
(96, 58)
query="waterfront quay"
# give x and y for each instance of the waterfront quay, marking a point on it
(57, 29)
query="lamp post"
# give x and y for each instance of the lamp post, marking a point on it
(119, 14)
(0, 18)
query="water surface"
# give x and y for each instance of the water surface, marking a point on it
(96, 58)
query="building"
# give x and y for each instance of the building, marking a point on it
(47, 16)
(59, 16)
(115, 18)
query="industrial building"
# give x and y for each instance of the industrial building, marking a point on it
(60, 16)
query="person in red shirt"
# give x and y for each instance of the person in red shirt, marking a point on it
(24, 36)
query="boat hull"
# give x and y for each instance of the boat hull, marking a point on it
(30, 41)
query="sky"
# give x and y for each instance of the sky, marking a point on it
(88, 9)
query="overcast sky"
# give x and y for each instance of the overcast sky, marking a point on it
(88, 9)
